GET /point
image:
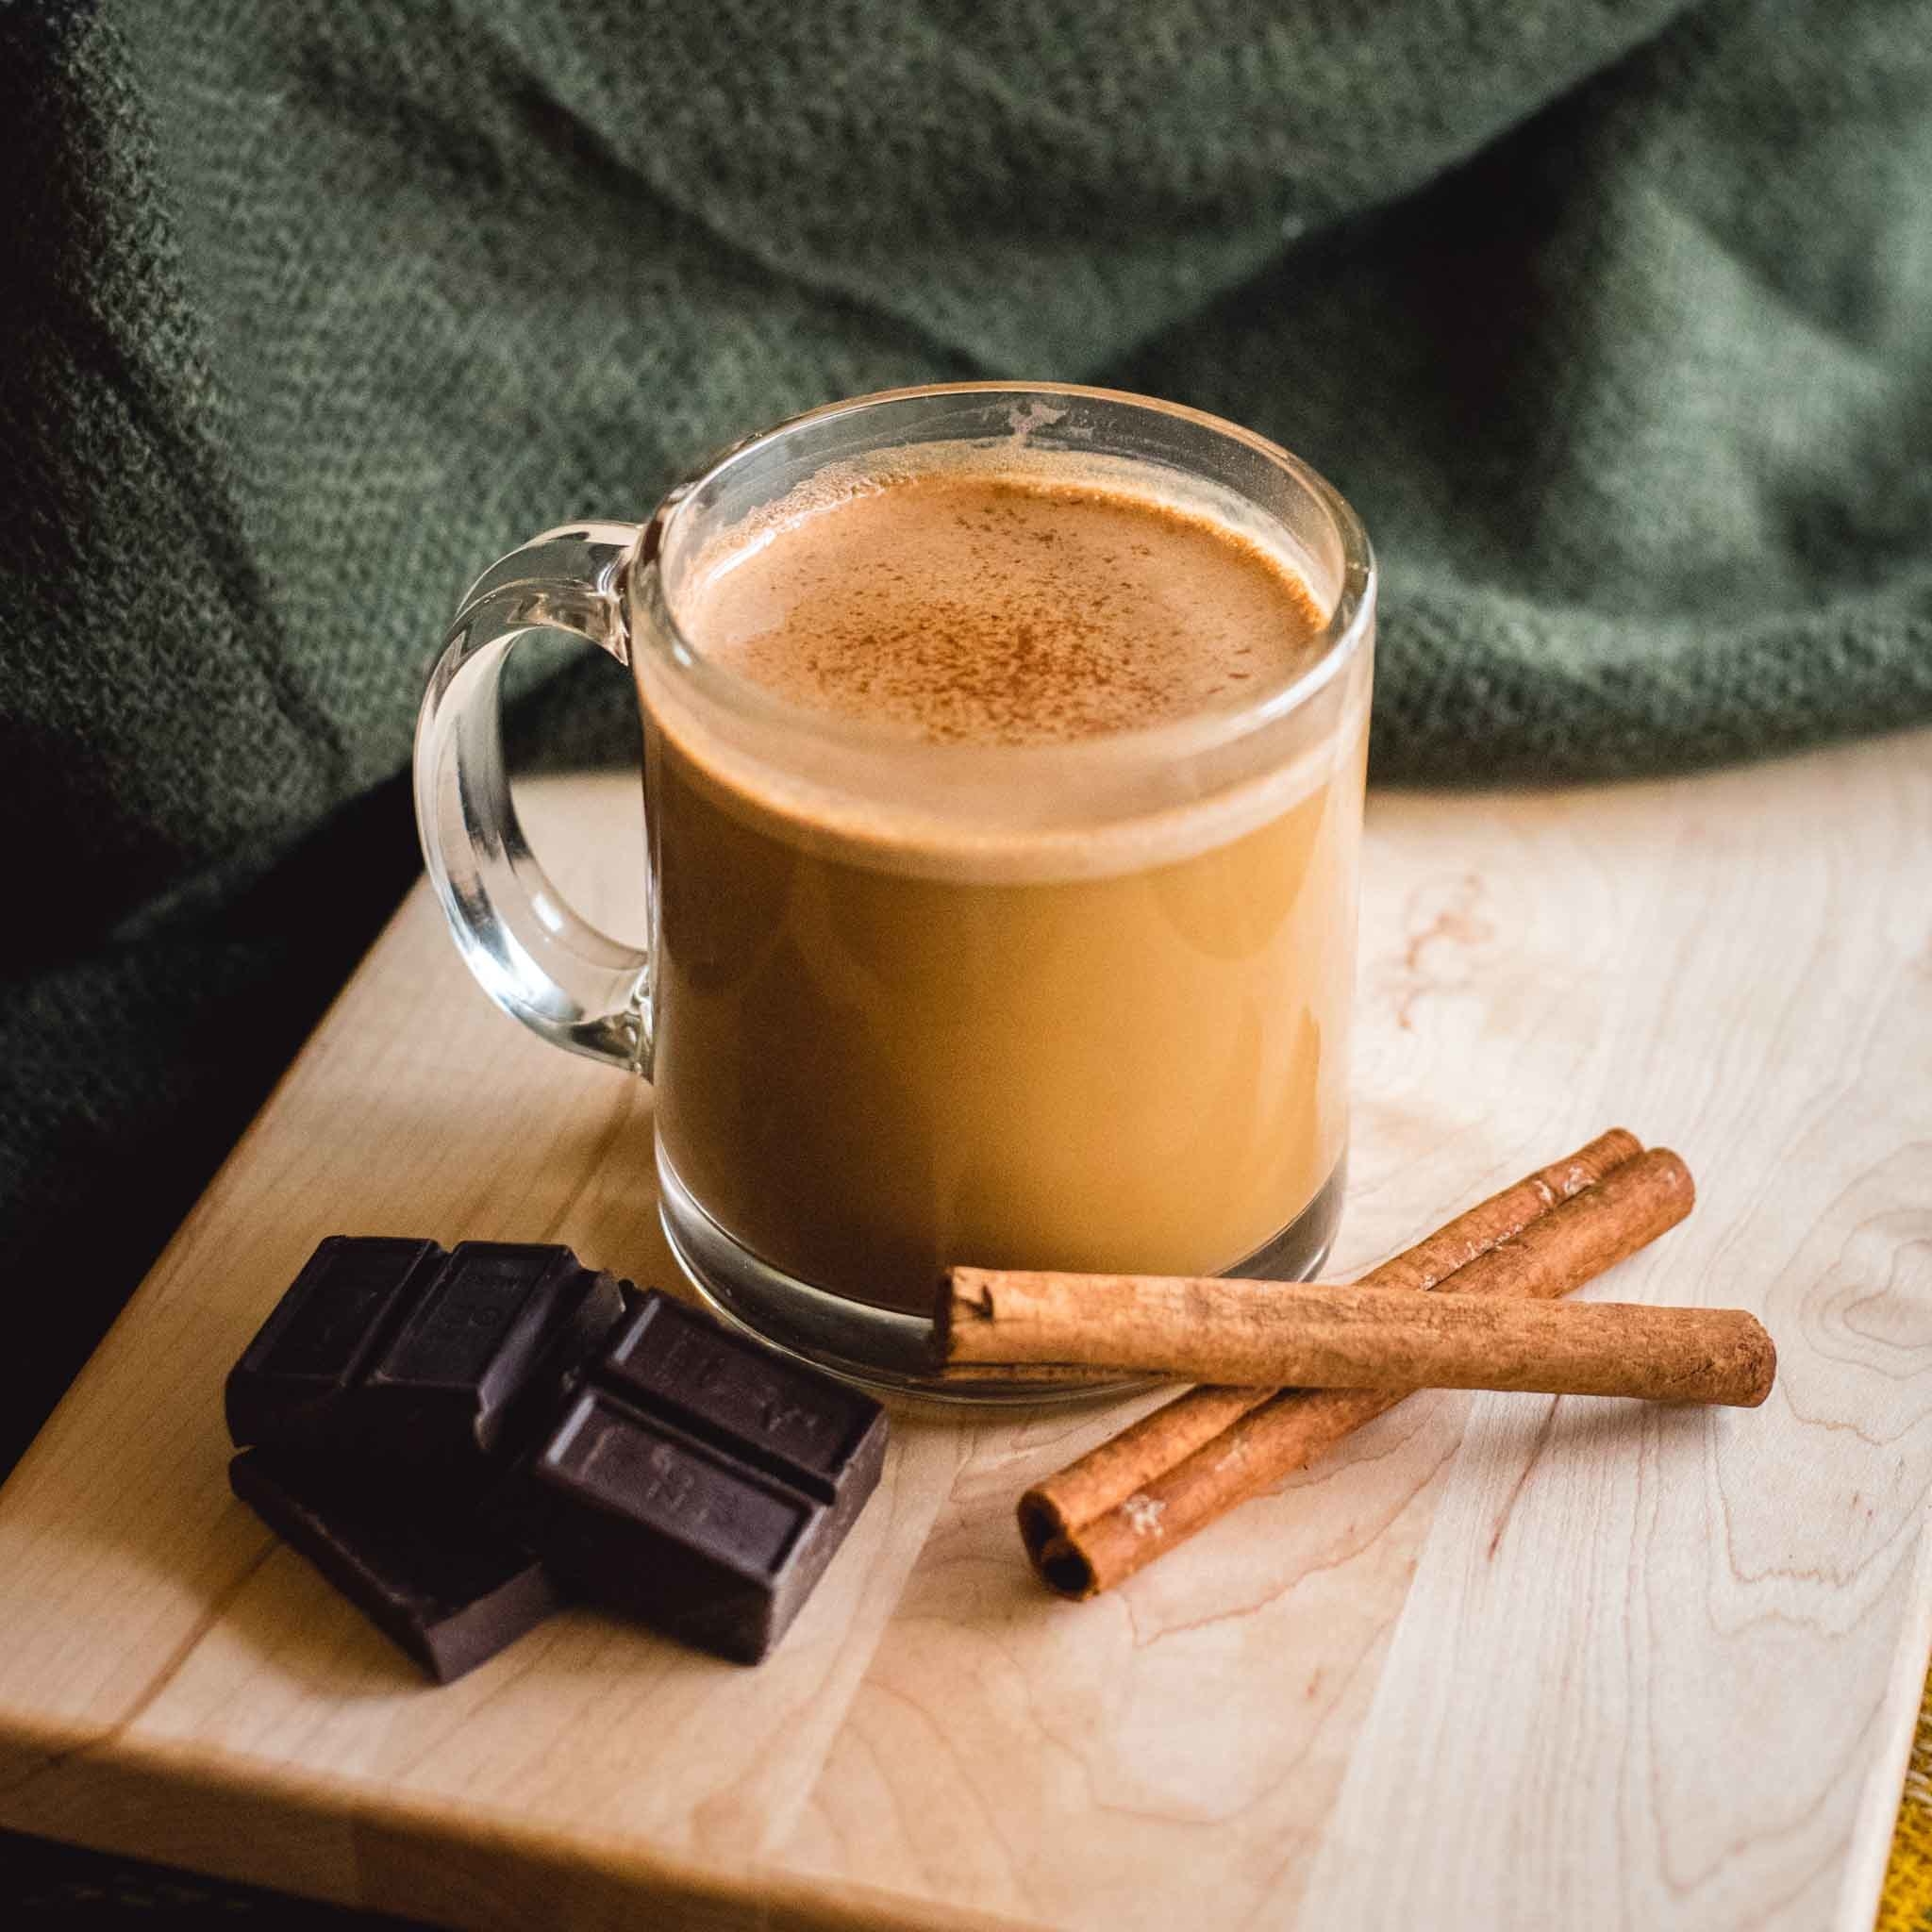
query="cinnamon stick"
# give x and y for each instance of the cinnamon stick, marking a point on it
(1077, 1556)
(1332, 1335)
(1166, 1437)
(1204, 1411)
(1046, 1376)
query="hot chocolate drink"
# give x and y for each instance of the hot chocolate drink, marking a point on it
(881, 1048)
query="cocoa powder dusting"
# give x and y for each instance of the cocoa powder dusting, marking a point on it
(1002, 610)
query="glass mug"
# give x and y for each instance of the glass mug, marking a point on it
(907, 1004)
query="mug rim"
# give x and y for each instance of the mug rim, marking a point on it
(1349, 621)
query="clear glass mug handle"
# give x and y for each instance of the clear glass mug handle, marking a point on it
(539, 959)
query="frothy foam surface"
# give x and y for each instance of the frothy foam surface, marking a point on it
(1000, 609)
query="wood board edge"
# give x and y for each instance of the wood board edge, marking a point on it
(456, 1864)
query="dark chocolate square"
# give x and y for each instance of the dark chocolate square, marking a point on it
(434, 1368)
(698, 1481)
(655, 1522)
(500, 1330)
(448, 1590)
(318, 1339)
(798, 1424)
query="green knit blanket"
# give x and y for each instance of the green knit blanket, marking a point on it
(1612, 317)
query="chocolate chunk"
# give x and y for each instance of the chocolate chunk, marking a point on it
(448, 1590)
(503, 1328)
(312, 1350)
(392, 1354)
(799, 1426)
(698, 1482)
(652, 1522)
(422, 1420)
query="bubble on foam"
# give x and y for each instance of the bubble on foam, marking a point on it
(1036, 415)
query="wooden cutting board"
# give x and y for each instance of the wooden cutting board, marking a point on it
(1506, 1662)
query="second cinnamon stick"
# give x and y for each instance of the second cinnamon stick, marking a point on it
(1094, 1525)
(1166, 1437)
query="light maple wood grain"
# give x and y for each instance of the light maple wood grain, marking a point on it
(1506, 1661)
